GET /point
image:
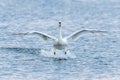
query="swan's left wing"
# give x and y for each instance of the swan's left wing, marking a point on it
(76, 34)
(43, 35)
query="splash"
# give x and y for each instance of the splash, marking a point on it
(59, 54)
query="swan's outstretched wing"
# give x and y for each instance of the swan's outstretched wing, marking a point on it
(43, 35)
(76, 34)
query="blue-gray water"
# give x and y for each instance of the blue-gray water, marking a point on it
(98, 55)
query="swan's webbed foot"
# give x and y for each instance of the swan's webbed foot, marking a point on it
(65, 52)
(54, 53)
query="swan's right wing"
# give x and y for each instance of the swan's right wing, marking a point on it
(76, 34)
(43, 35)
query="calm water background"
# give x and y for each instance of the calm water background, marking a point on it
(98, 55)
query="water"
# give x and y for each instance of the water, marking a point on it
(92, 57)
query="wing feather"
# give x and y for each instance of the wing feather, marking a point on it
(42, 35)
(76, 34)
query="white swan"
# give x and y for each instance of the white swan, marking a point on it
(60, 42)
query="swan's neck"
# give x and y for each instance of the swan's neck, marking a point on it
(59, 34)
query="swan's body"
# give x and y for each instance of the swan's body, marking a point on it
(60, 42)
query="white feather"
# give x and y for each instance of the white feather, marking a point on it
(75, 35)
(42, 35)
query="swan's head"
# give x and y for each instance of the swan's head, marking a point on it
(59, 24)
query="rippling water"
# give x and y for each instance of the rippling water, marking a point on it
(92, 57)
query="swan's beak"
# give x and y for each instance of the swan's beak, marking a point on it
(59, 24)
